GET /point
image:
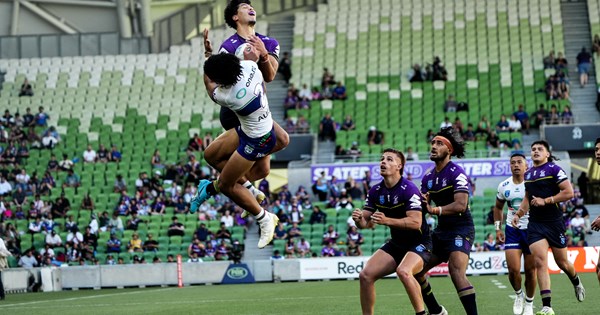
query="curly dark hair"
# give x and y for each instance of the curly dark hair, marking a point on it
(597, 140)
(231, 10)
(224, 69)
(400, 156)
(458, 144)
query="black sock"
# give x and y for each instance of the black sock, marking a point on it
(467, 298)
(211, 189)
(421, 313)
(575, 280)
(546, 298)
(432, 304)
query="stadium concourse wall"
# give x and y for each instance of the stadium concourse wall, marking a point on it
(487, 172)
(165, 274)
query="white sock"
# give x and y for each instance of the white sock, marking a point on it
(519, 292)
(529, 300)
(248, 185)
(262, 215)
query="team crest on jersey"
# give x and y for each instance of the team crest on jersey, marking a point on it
(542, 173)
(395, 200)
(420, 248)
(563, 240)
(430, 183)
(458, 241)
(381, 199)
(528, 176)
(248, 149)
(506, 193)
(444, 182)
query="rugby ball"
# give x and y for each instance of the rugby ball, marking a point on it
(239, 52)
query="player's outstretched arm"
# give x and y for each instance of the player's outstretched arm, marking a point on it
(413, 220)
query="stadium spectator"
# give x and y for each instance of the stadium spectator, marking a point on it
(280, 232)
(305, 93)
(514, 124)
(35, 226)
(450, 106)
(156, 160)
(446, 123)
(115, 154)
(549, 62)
(53, 239)
(348, 124)
(294, 231)
(375, 136)
(289, 125)
(339, 92)
(202, 233)
(207, 140)
(89, 238)
(353, 249)
(523, 116)
(567, 115)
(74, 237)
(277, 255)
(65, 164)
(327, 128)
(330, 236)
(584, 62)
(354, 150)
(296, 215)
(26, 89)
(502, 125)
(223, 233)
(458, 125)
(492, 141)
(540, 115)
(87, 203)
(227, 219)
(53, 164)
(285, 67)
(291, 101)
(303, 248)
(72, 180)
(222, 252)
(134, 222)
(553, 117)
(489, 245)
(195, 143)
(113, 245)
(151, 245)
(483, 126)
(50, 138)
(577, 225)
(561, 63)
(411, 155)
(326, 92)
(102, 155)
(116, 224)
(28, 260)
(290, 248)
(315, 94)
(328, 250)
(302, 125)
(176, 228)
(120, 185)
(596, 44)
(416, 74)
(135, 244)
(89, 155)
(327, 78)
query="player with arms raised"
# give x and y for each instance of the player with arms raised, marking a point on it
(547, 185)
(396, 203)
(448, 186)
(512, 192)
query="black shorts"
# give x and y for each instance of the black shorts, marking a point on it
(229, 119)
(553, 232)
(399, 251)
(446, 242)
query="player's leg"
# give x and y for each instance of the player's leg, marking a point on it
(427, 293)
(283, 139)
(560, 256)
(530, 282)
(457, 266)
(539, 251)
(513, 261)
(412, 264)
(229, 186)
(379, 265)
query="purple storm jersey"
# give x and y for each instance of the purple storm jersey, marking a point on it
(394, 202)
(441, 188)
(542, 182)
(235, 41)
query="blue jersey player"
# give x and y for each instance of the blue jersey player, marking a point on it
(547, 185)
(241, 16)
(394, 202)
(448, 187)
(512, 192)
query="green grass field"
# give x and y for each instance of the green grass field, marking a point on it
(323, 297)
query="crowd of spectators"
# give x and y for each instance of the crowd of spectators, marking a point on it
(431, 72)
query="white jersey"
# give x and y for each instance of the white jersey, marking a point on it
(248, 100)
(513, 194)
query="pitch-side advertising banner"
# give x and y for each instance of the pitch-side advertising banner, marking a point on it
(583, 258)
(473, 168)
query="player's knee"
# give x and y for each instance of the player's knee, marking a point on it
(225, 187)
(365, 276)
(259, 173)
(563, 264)
(284, 139)
(404, 275)
(539, 262)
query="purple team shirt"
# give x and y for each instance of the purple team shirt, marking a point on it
(441, 188)
(235, 41)
(394, 202)
(542, 182)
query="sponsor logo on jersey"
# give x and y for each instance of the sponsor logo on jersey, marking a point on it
(561, 174)
(240, 94)
(415, 201)
(504, 184)
(462, 181)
